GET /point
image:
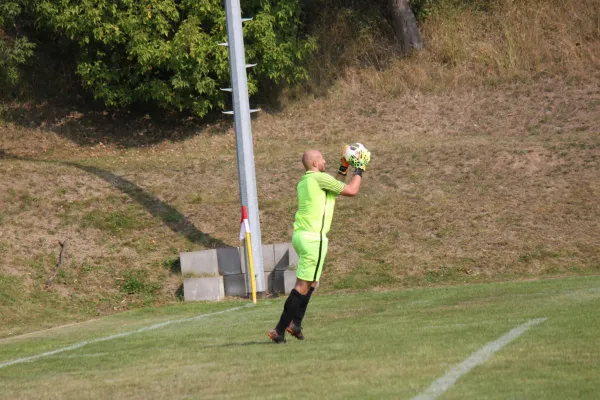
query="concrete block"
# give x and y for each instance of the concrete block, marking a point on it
(199, 262)
(243, 262)
(282, 258)
(235, 285)
(283, 281)
(243, 259)
(277, 282)
(209, 288)
(276, 257)
(268, 257)
(249, 284)
(269, 282)
(228, 259)
(289, 280)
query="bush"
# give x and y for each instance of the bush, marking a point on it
(15, 49)
(167, 53)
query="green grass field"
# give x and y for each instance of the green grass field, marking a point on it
(364, 345)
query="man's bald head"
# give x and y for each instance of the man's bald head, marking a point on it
(313, 160)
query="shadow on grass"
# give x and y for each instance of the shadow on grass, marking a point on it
(169, 215)
(179, 293)
(87, 123)
(50, 97)
(174, 265)
(239, 344)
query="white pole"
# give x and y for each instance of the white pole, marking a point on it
(243, 135)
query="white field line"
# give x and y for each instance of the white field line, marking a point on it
(444, 383)
(24, 335)
(116, 336)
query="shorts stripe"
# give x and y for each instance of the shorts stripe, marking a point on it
(319, 259)
(321, 240)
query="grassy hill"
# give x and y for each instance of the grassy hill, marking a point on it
(480, 172)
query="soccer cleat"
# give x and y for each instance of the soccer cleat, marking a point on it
(276, 336)
(295, 331)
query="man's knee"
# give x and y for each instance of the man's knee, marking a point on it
(303, 286)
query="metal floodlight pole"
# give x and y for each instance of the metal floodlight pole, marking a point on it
(243, 134)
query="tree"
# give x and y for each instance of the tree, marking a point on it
(15, 48)
(166, 52)
(405, 26)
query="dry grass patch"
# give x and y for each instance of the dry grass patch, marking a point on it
(471, 43)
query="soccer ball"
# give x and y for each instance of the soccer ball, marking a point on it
(352, 153)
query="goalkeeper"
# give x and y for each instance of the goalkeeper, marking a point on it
(316, 200)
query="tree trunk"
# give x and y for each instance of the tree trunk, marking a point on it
(407, 32)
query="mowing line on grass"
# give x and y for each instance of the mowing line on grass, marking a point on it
(444, 383)
(82, 355)
(116, 336)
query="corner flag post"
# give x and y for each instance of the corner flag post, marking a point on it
(243, 136)
(246, 230)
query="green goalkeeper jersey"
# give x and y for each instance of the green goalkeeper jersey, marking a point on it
(316, 199)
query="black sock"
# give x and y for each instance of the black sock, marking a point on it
(290, 309)
(302, 310)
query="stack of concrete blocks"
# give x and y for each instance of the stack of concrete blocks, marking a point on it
(202, 280)
(214, 274)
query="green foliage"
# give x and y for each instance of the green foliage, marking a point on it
(172, 264)
(166, 52)
(15, 49)
(422, 8)
(274, 38)
(137, 283)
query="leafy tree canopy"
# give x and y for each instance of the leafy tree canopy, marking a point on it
(164, 52)
(15, 48)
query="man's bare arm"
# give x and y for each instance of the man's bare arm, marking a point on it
(351, 189)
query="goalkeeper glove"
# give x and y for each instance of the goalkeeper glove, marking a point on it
(343, 169)
(362, 162)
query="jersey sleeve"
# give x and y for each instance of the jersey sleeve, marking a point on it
(330, 184)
